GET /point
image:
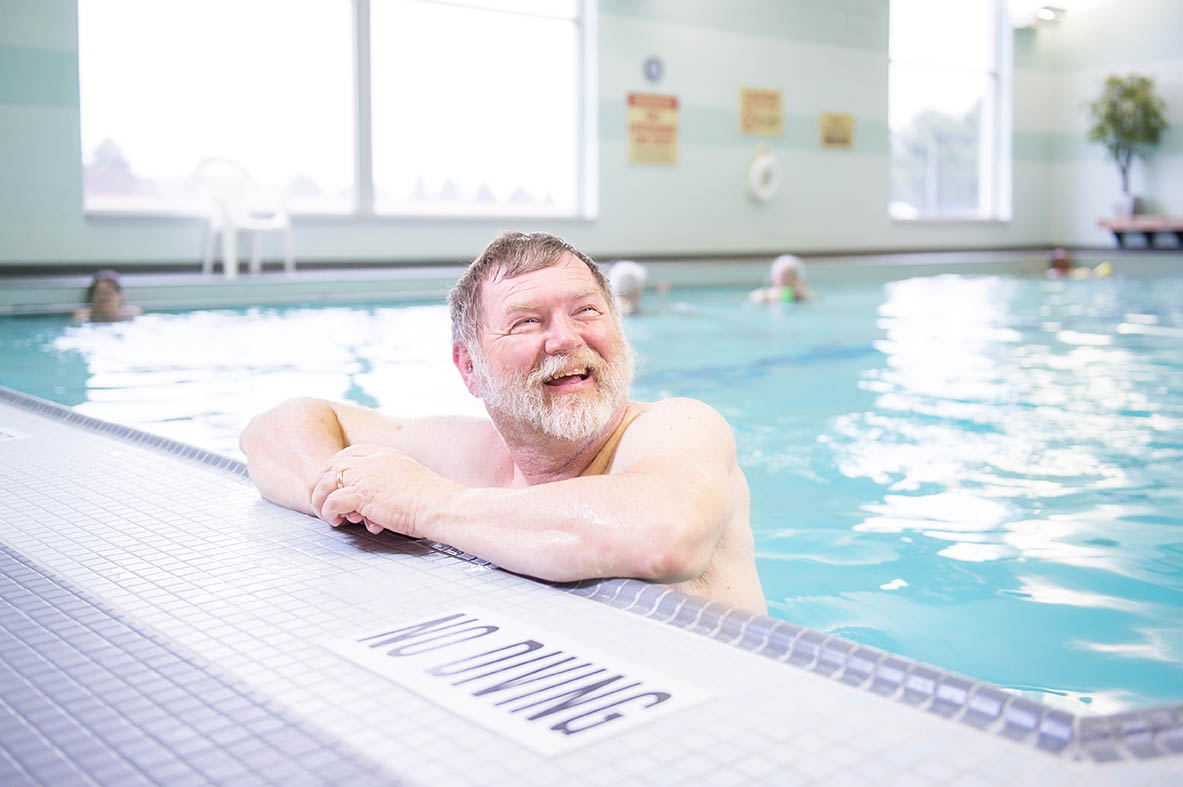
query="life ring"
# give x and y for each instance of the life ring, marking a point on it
(764, 177)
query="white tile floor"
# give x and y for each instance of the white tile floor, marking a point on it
(189, 552)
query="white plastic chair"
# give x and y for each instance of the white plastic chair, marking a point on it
(237, 203)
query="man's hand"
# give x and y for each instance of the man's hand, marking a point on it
(381, 487)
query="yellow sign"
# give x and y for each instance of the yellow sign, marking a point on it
(837, 130)
(652, 129)
(760, 112)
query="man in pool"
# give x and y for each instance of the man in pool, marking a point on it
(566, 480)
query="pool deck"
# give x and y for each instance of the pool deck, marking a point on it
(160, 624)
(51, 293)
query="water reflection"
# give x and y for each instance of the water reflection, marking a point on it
(962, 404)
(28, 366)
(1158, 644)
(948, 467)
(1032, 426)
(200, 376)
(1043, 592)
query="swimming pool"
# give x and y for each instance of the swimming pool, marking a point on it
(974, 471)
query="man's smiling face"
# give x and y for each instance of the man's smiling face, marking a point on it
(552, 354)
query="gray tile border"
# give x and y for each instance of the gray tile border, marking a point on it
(1129, 736)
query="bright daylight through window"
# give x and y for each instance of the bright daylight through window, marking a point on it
(408, 107)
(948, 109)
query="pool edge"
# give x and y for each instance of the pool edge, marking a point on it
(1125, 736)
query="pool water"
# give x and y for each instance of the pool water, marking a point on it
(979, 472)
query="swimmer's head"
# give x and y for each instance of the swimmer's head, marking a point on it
(107, 276)
(1059, 260)
(787, 271)
(628, 282)
(105, 295)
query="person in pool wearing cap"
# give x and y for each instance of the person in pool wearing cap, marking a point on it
(627, 279)
(788, 282)
(105, 299)
(567, 479)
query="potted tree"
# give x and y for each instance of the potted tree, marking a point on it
(1128, 119)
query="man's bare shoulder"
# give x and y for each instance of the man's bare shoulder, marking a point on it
(368, 425)
(477, 452)
(677, 427)
(469, 427)
(679, 412)
(470, 450)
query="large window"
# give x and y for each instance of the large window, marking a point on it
(948, 98)
(408, 107)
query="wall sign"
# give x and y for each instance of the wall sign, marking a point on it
(837, 130)
(516, 679)
(652, 129)
(760, 112)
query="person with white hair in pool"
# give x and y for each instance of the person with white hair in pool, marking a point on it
(628, 283)
(788, 282)
(567, 479)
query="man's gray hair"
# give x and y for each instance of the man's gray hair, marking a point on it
(509, 254)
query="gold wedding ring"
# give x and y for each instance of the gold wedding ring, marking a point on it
(340, 480)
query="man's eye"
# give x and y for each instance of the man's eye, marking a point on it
(524, 323)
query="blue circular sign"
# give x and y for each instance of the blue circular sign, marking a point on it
(653, 69)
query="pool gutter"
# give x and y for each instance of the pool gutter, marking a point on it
(61, 294)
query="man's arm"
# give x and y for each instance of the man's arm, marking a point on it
(658, 515)
(288, 447)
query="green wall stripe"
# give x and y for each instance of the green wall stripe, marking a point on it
(1068, 146)
(858, 24)
(1030, 146)
(38, 77)
(1025, 48)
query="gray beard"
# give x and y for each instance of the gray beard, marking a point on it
(575, 417)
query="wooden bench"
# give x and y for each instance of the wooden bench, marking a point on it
(1147, 225)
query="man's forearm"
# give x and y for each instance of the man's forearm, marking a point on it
(583, 528)
(288, 446)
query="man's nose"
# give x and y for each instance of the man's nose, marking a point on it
(562, 336)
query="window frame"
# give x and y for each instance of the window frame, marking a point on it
(995, 164)
(586, 140)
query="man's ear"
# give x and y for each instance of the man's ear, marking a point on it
(463, 362)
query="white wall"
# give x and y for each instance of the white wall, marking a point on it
(1066, 67)
(823, 55)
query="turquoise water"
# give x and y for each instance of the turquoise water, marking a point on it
(977, 472)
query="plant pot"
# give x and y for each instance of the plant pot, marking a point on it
(1127, 205)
